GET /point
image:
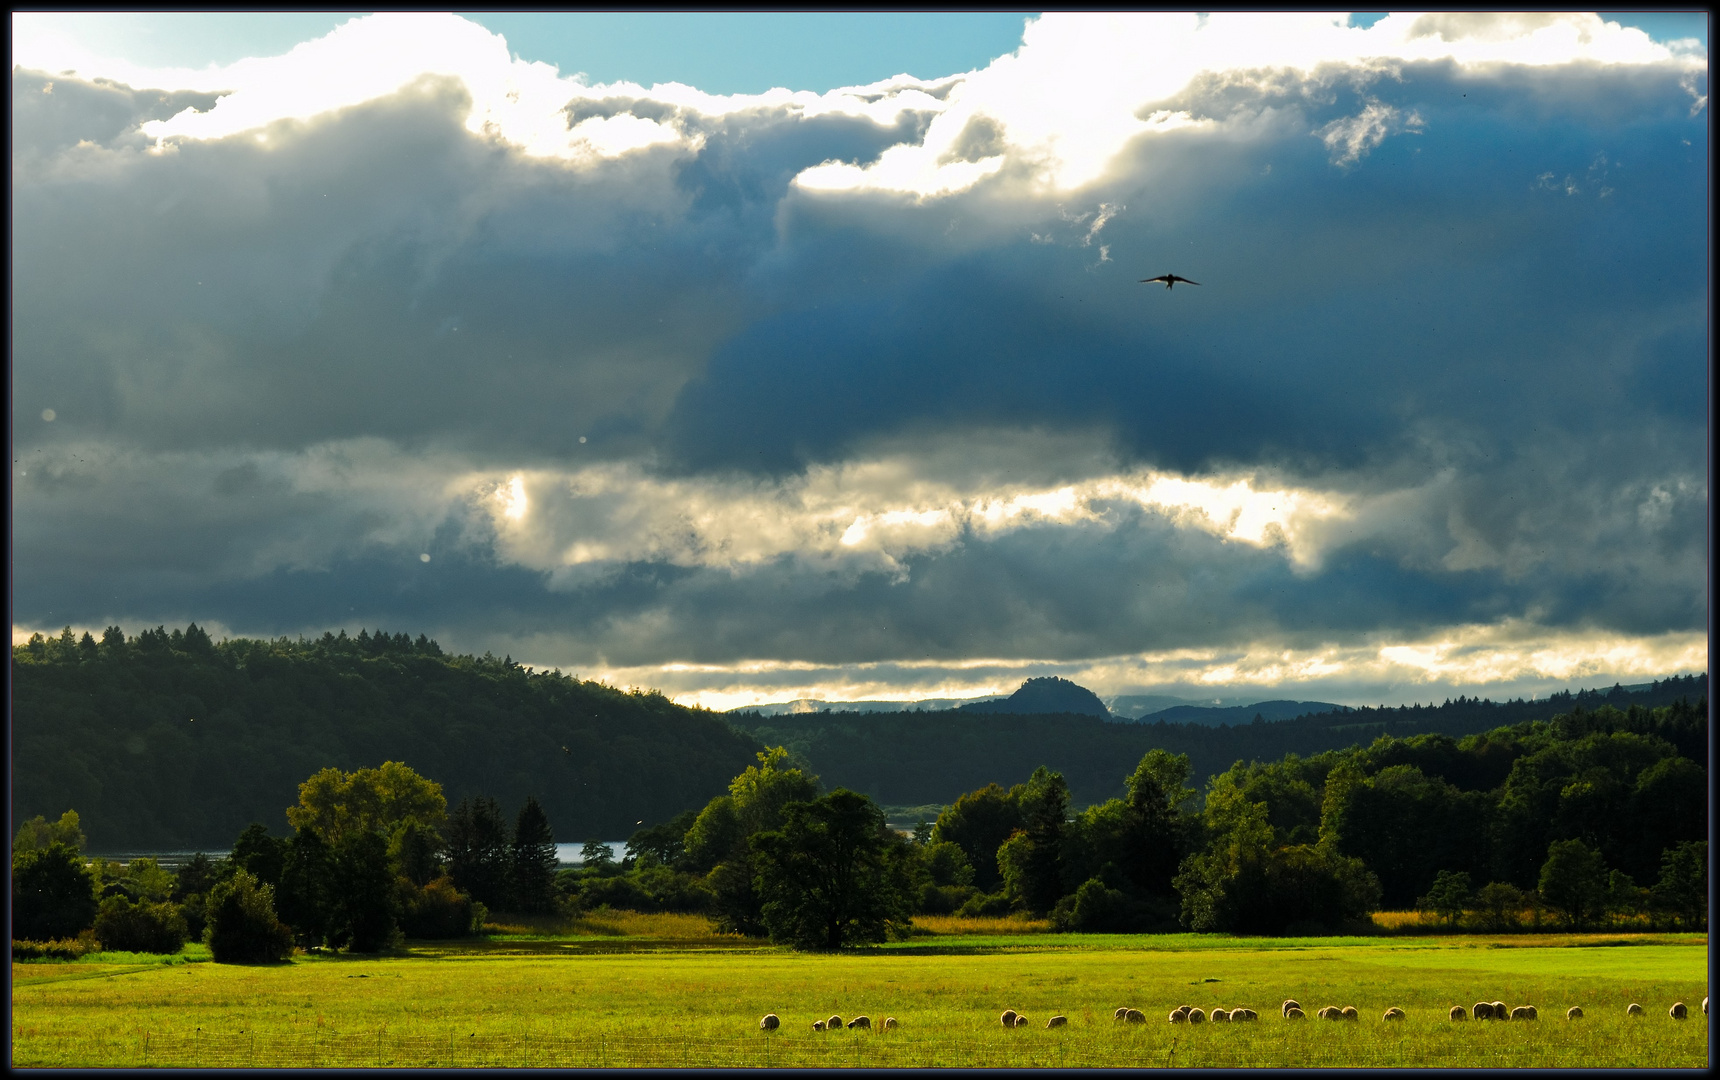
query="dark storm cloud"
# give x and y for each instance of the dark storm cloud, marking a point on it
(1468, 303)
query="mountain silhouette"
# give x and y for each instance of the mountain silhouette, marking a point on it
(1045, 695)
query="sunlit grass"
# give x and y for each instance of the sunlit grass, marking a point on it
(999, 925)
(689, 1005)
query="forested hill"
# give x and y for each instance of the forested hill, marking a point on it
(915, 759)
(168, 741)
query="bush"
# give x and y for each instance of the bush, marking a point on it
(67, 949)
(124, 925)
(53, 896)
(944, 899)
(617, 892)
(986, 905)
(242, 926)
(439, 910)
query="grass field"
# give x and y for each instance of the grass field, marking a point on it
(666, 990)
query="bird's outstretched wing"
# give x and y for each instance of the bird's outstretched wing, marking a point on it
(1161, 277)
(1184, 280)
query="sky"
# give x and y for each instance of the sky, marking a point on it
(766, 357)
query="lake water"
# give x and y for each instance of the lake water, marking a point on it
(565, 854)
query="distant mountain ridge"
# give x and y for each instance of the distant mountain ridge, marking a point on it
(1268, 711)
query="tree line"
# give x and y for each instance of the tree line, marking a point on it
(918, 758)
(1588, 817)
(374, 857)
(167, 740)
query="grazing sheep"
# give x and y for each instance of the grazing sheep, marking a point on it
(1196, 1016)
(860, 1022)
(1523, 1012)
(1704, 1006)
(1178, 1016)
(1458, 1012)
(1121, 1014)
(1020, 1019)
(1393, 1013)
(1327, 1012)
(1135, 1016)
(833, 1023)
(1350, 1013)
(1244, 1014)
(1500, 1012)
(1289, 1003)
(1008, 1018)
(1678, 1011)
(1219, 1016)
(1634, 1010)
(818, 1025)
(770, 1022)
(1483, 1010)
(1295, 1014)
(1575, 1012)
(1056, 1021)
(890, 1023)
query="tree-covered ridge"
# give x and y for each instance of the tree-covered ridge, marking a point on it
(168, 739)
(912, 759)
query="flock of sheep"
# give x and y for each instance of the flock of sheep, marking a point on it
(1290, 1010)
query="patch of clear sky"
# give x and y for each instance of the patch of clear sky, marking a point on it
(717, 52)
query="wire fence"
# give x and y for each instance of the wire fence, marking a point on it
(327, 1049)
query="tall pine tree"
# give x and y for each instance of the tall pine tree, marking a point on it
(532, 865)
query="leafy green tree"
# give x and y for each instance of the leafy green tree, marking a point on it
(367, 915)
(306, 899)
(922, 831)
(1500, 905)
(1094, 908)
(979, 823)
(1623, 899)
(260, 854)
(146, 880)
(533, 861)
(439, 910)
(38, 833)
(661, 845)
(242, 926)
(715, 835)
(52, 894)
(1574, 881)
(1448, 897)
(478, 851)
(335, 804)
(1044, 814)
(834, 874)
(127, 925)
(415, 852)
(1683, 886)
(196, 877)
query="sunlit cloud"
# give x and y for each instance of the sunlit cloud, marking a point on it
(1511, 658)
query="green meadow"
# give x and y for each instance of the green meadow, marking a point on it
(666, 990)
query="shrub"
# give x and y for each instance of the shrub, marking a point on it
(1500, 905)
(944, 899)
(52, 894)
(986, 905)
(439, 910)
(66, 949)
(242, 926)
(124, 925)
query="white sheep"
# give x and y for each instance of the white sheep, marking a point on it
(770, 1022)
(1289, 1003)
(1178, 1016)
(1056, 1021)
(1575, 1012)
(1458, 1012)
(1524, 1012)
(890, 1023)
(1135, 1016)
(833, 1023)
(1678, 1011)
(860, 1022)
(1008, 1018)
(1020, 1019)
(1219, 1016)
(818, 1025)
(1295, 1014)
(1483, 1010)
(1633, 1009)
(1244, 1014)
(1393, 1013)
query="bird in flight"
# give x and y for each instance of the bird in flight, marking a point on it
(1169, 280)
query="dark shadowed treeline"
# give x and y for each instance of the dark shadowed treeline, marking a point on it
(912, 759)
(169, 740)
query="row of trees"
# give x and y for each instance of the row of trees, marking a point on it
(374, 857)
(1564, 815)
